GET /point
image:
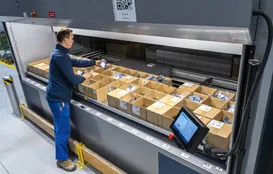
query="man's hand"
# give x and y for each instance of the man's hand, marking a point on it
(98, 62)
(87, 76)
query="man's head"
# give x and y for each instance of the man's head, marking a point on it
(65, 37)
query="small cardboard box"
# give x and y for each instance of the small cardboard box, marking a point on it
(189, 87)
(189, 104)
(139, 107)
(116, 84)
(156, 95)
(206, 90)
(217, 103)
(204, 119)
(143, 91)
(171, 100)
(219, 134)
(227, 117)
(140, 74)
(119, 69)
(166, 89)
(130, 72)
(181, 93)
(209, 112)
(107, 81)
(85, 89)
(99, 70)
(231, 107)
(98, 77)
(125, 102)
(231, 96)
(204, 97)
(168, 117)
(33, 66)
(129, 87)
(128, 79)
(141, 82)
(114, 96)
(108, 73)
(152, 85)
(99, 91)
(155, 112)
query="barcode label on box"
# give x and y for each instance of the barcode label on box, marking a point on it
(94, 91)
(188, 84)
(176, 99)
(216, 124)
(205, 108)
(136, 110)
(123, 104)
(159, 104)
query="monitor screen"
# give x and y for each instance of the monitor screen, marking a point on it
(185, 127)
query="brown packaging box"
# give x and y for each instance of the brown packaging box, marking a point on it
(108, 73)
(227, 117)
(229, 108)
(129, 87)
(231, 96)
(217, 103)
(139, 107)
(152, 85)
(125, 102)
(141, 82)
(181, 93)
(190, 87)
(114, 96)
(98, 77)
(130, 72)
(99, 70)
(99, 91)
(189, 104)
(156, 95)
(168, 117)
(116, 84)
(206, 90)
(209, 112)
(143, 91)
(219, 134)
(204, 119)
(204, 97)
(155, 112)
(119, 69)
(33, 67)
(166, 89)
(140, 74)
(85, 89)
(107, 81)
(171, 100)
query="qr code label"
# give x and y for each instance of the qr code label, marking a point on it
(124, 4)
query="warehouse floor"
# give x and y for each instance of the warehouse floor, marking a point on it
(24, 149)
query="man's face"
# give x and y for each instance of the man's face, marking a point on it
(69, 41)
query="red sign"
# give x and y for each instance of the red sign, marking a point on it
(51, 14)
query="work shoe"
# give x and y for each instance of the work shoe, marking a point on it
(67, 165)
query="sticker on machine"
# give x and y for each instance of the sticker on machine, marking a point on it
(238, 35)
(216, 124)
(124, 10)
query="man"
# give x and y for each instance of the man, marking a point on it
(59, 93)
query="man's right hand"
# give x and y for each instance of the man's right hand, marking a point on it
(87, 76)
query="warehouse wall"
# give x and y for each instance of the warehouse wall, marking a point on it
(191, 12)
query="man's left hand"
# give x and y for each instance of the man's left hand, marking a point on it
(98, 62)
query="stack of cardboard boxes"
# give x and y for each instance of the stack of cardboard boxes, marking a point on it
(135, 93)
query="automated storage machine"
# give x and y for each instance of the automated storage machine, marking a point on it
(162, 62)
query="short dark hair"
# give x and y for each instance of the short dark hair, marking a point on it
(63, 33)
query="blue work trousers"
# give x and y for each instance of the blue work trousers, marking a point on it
(61, 115)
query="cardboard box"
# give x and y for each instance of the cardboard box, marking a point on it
(155, 112)
(166, 89)
(143, 91)
(98, 77)
(156, 95)
(128, 79)
(116, 84)
(140, 74)
(219, 134)
(181, 93)
(129, 87)
(204, 119)
(189, 104)
(139, 107)
(171, 100)
(108, 73)
(217, 103)
(206, 90)
(167, 81)
(99, 70)
(227, 117)
(125, 102)
(107, 81)
(231, 107)
(209, 112)
(152, 85)
(85, 89)
(119, 69)
(204, 97)
(32, 67)
(141, 82)
(114, 96)
(99, 91)
(189, 87)
(130, 72)
(231, 96)
(168, 117)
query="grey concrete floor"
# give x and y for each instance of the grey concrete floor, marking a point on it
(23, 148)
